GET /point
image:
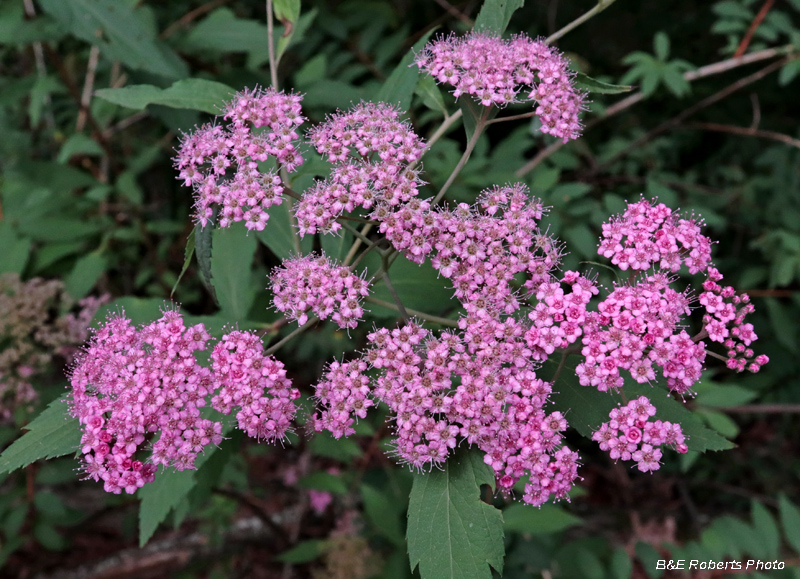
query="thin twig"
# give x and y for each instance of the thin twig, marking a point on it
(465, 157)
(88, 86)
(296, 332)
(748, 36)
(453, 11)
(706, 102)
(443, 128)
(511, 118)
(763, 409)
(187, 18)
(273, 66)
(747, 132)
(598, 8)
(415, 313)
(626, 103)
(361, 237)
(400, 307)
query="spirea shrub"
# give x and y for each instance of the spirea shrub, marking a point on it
(472, 379)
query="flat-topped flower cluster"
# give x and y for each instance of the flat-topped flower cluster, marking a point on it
(476, 383)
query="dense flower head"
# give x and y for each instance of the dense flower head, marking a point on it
(651, 234)
(220, 162)
(244, 377)
(475, 385)
(631, 435)
(479, 248)
(131, 384)
(497, 72)
(135, 389)
(316, 284)
(372, 152)
(638, 328)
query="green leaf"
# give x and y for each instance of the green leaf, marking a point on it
(303, 552)
(16, 251)
(337, 245)
(384, 513)
(451, 533)
(188, 253)
(202, 249)
(431, 96)
(53, 433)
(649, 558)
(790, 520)
(784, 325)
(278, 235)
(788, 72)
(194, 93)
(544, 520)
(720, 422)
(588, 409)
(589, 84)
(126, 35)
(343, 449)
(766, 531)
(324, 481)
(621, 566)
(417, 286)
(167, 491)
(286, 10)
(661, 46)
(495, 15)
(85, 274)
(231, 262)
(223, 32)
(159, 498)
(399, 87)
(722, 395)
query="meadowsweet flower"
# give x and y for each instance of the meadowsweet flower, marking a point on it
(650, 234)
(498, 72)
(479, 248)
(220, 162)
(629, 434)
(371, 150)
(244, 377)
(316, 284)
(131, 385)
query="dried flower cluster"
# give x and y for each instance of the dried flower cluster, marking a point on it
(33, 333)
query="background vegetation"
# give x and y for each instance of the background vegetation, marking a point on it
(88, 196)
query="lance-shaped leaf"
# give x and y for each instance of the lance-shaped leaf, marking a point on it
(495, 15)
(53, 433)
(451, 533)
(194, 93)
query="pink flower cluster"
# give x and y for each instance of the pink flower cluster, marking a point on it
(475, 385)
(317, 284)
(649, 234)
(636, 328)
(221, 162)
(629, 435)
(723, 308)
(245, 378)
(380, 174)
(479, 248)
(139, 387)
(495, 71)
(558, 318)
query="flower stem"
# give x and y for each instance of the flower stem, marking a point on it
(274, 348)
(273, 65)
(480, 125)
(598, 8)
(416, 313)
